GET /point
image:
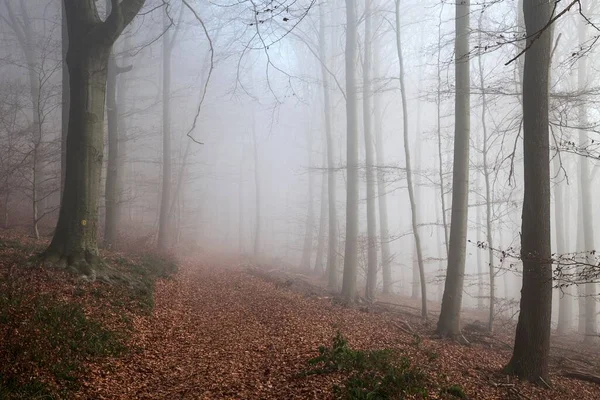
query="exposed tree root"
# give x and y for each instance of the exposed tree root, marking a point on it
(582, 376)
(84, 264)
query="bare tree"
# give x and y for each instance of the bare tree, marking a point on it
(532, 341)
(351, 249)
(332, 280)
(369, 157)
(449, 321)
(409, 174)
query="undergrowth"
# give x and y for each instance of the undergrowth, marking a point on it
(52, 325)
(369, 375)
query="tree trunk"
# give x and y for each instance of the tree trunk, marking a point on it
(164, 220)
(322, 220)
(65, 98)
(332, 280)
(480, 294)
(586, 197)
(565, 303)
(488, 187)
(532, 341)
(310, 218)
(258, 221)
(581, 259)
(74, 242)
(438, 104)
(386, 258)
(449, 321)
(241, 202)
(75, 239)
(409, 177)
(351, 248)
(110, 191)
(371, 287)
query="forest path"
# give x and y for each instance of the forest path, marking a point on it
(222, 333)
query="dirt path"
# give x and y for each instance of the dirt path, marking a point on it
(224, 334)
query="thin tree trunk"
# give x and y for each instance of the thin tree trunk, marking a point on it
(322, 220)
(532, 341)
(310, 217)
(488, 187)
(257, 226)
(409, 176)
(386, 258)
(332, 279)
(349, 292)
(449, 321)
(241, 203)
(438, 104)
(565, 303)
(369, 159)
(581, 259)
(586, 197)
(480, 295)
(164, 221)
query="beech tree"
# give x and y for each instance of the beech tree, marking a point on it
(351, 248)
(449, 321)
(91, 39)
(369, 157)
(332, 279)
(532, 341)
(409, 173)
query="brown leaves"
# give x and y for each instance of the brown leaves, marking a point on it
(220, 332)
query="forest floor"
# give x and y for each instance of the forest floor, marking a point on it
(221, 329)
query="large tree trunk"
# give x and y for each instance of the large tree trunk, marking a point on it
(409, 175)
(91, 40)
(351, 248)
(532, 340)
(65, 98)
(74, 241)
(449, 321)
(164, 220)
(384, 233)
(332, 280)
(369, 160)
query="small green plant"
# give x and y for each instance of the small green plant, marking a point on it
(431, 355)
(56, 337)
(31, 390)
(456, 391)
(375, 374)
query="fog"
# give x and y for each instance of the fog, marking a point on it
(248, 137)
